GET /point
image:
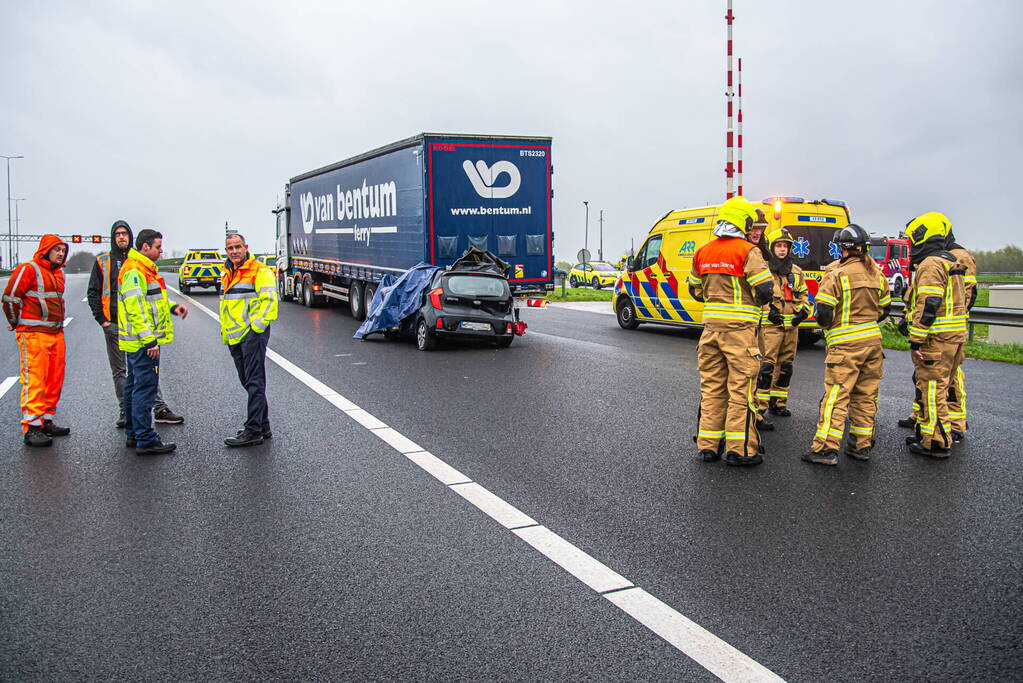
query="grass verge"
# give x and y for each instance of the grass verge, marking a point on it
(580, 294)
(981, 350)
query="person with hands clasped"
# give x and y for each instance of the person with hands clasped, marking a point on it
(144, 325)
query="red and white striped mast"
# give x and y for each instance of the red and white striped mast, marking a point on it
(729, 143)
(738, 171)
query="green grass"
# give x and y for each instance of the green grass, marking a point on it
(981, 350)
(1000, 278)
(580, 294)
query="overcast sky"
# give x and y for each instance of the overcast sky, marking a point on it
(178, 116)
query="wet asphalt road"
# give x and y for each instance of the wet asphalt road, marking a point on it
(326, 555)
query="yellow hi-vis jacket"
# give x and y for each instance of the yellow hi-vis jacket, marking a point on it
(143, 309)
(248, 300)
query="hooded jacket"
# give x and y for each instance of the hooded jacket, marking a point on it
(33, 300)
(103, 281)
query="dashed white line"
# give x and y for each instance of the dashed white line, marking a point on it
(68, 320)
(714, 654)
(7, 384)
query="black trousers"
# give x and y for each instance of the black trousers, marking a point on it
(250, 360)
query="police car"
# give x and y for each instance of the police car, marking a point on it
(201, 268)
(595, 274)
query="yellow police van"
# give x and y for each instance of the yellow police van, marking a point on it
(201, 268)
(652, 289)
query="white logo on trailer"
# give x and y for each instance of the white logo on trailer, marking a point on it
(483, 178)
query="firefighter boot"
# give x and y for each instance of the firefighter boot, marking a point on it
(775, 409)
(763, 424)
(826, 457)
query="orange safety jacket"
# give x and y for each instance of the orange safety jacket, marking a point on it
(33, 300)
(104, 271)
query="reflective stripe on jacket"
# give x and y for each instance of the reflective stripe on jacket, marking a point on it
(33, 300)
(858, 292)
(248, 300)
(143, 309)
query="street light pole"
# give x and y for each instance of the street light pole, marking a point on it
(17, 229)
(586, 235)
(10, 240)
(600, 249)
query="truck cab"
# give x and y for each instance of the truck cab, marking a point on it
(892, 257)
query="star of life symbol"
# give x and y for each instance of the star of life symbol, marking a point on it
(834, 250)
(801, 247)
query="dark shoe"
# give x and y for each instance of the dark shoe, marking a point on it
(957, 437)
(266, 435)
(828, 457)
(156, 448)
(858, 453)
(51, 429)
(167, 417)
(120, 421)
(735, 460)
(709, 456)
(243, 439)
(781, 411)
(764, 425)
(917, 449)
(907, 422)
(129, 443)
(35, 436)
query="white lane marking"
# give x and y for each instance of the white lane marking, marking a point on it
(67, 320)
(602, 307)
(85, 299)
(504, 513)
(688, 637)
(440, 470)
(714, 654)
(572, 340)
(593, 573)
(397, 441)
(7, 384)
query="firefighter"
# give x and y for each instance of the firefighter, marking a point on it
(966, 265)
(33, 303)
(936, 320)
(102, 296)
(248, 304)
(730, 276)
(143, 326)
(779, 327)
(852, 299)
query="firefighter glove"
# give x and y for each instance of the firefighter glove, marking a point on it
(774, 315)
(800, 315)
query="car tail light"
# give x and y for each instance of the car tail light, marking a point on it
(509, 330)
(435, 296)
(187, 271)
(440, 322)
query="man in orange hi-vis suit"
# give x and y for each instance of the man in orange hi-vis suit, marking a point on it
(33, 303)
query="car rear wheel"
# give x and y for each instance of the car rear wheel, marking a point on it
(355, 300)
(505, 342)
(626, 314)
(426, 339)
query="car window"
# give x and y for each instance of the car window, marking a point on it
(604, 267)
(475, 285)
(210, 256)
(649, 252)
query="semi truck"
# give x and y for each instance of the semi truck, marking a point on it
(428, 198)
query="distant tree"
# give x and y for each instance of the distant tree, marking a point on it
(80, 262)
(564, 265)
(1008, 259)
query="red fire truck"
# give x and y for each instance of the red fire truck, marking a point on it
(892, 256)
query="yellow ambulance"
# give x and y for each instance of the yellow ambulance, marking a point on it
(653, 288)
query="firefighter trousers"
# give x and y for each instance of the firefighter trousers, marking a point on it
(42, 375)
(778, 345)
(728, 360)
(957, 394)
(933, 376)
(852, 377)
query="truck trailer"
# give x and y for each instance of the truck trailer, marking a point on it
(426, 199)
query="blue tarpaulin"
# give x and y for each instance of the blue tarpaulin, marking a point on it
(396, 299)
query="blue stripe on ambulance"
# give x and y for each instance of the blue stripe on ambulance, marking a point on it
(675, 303)
(631, 291)
(651, 292)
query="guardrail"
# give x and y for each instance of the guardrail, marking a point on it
(983, 315)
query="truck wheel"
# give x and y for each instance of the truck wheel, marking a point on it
(282, 290)
(355, 300)
(308, 299)
(505, 342)
(898, 288)
(626, 314)
(367, 295)
(426, 339)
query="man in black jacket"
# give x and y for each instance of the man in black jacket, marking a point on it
(102, 297)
